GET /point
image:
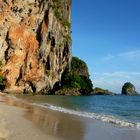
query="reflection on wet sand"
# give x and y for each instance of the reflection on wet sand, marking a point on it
(63, 126)
(52, 122)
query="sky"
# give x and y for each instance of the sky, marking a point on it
(106, 35)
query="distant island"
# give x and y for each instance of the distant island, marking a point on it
(129, 89)
(100, 91)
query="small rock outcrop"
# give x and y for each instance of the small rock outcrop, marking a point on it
(76, 81)
(129, 89)
(100, 91)
(35, 43)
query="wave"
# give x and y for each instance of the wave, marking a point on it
(105, 118)
(98, 116)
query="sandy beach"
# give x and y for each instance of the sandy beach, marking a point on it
(13, 126)
(21, 120)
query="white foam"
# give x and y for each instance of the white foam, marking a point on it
(105, 118)
(138, 125)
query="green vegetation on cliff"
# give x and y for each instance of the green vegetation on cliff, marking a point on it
(2, 83)
(74, 80)
(77, 79)
(1, 78)
(59, 12)
(79, 67)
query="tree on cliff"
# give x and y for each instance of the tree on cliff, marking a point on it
(77, 78)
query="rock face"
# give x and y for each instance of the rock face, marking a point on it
(35, 43)
(129, 89)
(76, 81)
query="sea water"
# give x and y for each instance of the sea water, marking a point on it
(123, 111)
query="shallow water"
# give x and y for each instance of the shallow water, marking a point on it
(63, 126)
(120, 110)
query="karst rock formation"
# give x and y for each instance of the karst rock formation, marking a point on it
(35, 43)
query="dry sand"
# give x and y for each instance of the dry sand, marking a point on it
(22, 121)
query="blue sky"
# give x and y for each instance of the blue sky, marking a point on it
(106, 35)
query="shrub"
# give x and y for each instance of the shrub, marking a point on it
(2, 85)
(2, 79)
(59, 13)
(78, 77)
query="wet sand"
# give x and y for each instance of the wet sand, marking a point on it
(15, 126)
(22, 121)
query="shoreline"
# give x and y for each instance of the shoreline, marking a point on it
(14, 125)
(54, 125)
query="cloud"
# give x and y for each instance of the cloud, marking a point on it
(115, 80)
(127, 56)
(117, 72)
(121, 74)
(124, 67)
(131, 55)
(107, 58)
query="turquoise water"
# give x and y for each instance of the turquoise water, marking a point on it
(121, 110)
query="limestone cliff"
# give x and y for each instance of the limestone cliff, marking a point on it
(35, 43)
